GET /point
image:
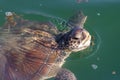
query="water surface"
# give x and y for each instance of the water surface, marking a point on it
(103, 23)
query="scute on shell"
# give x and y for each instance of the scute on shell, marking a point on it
(29, 48)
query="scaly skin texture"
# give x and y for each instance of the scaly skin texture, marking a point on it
(29, 49)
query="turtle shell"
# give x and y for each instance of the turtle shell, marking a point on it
(29, 48)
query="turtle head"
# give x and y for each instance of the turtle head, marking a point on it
(78, 39)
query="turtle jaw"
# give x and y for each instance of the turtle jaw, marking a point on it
(83, 45)
(80, 40)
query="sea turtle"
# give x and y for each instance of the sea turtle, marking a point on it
(31, 50)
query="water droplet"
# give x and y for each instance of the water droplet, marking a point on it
(40, 4)
(94, 66)
(113, 72)
(98, 58)
(8, 13)
(98, 14)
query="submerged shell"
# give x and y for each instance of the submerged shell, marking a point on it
(30, 49)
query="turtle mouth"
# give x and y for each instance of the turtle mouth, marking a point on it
(85, 44)
(81, 41)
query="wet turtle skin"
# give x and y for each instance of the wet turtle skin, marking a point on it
(30, 50)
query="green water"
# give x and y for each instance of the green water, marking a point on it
(103, 23)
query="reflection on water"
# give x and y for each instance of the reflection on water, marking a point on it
(60, 23)
(96, 44)
(38, 13)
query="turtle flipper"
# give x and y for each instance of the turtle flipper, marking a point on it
(65, 74)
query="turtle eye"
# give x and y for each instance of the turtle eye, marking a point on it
(77, 36)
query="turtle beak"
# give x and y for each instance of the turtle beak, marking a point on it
(80, 39)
